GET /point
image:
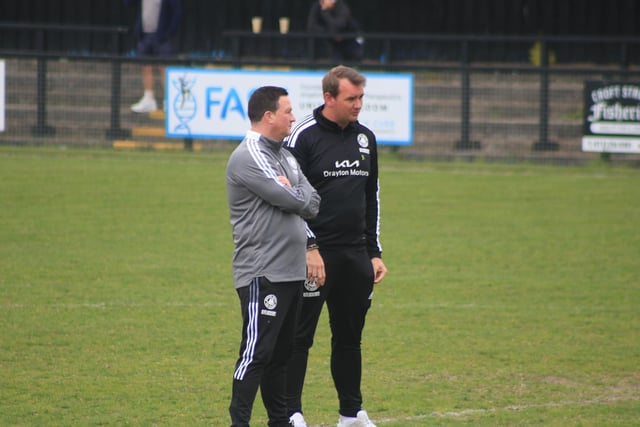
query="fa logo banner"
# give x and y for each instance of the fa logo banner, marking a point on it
(212, 104)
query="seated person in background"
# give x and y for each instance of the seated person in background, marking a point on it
(334, 17)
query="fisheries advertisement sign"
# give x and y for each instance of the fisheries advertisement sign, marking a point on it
(611, 117)
(206, 103)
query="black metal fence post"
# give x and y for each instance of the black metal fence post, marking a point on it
(41, 128)
(543, 143)
(115, 131)
(311, 48)
(465, 106)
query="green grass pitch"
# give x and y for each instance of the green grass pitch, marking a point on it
(512, 299)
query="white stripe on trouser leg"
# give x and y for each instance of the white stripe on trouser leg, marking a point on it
(252, 330)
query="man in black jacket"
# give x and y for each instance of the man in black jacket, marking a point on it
(339, 157)
(334, 17)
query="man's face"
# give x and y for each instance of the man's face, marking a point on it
(346, 106)
(327, 4)
(282, 118)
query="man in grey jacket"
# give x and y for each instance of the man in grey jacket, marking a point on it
(269, 200)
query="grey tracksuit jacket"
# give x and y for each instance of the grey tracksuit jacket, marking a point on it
(267, 217)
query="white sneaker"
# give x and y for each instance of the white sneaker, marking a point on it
(297, 420)
(364, 420)
(361, 420)
(145, 105)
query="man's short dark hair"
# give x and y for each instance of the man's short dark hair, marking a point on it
(331, 81)
(263, 99)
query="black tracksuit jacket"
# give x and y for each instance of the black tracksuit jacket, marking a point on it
(342, 165)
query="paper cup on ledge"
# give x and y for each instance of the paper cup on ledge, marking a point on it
(284, 25)
(256, 24)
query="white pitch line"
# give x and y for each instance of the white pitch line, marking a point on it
(104, 305)
(143, 304)
(465, 412)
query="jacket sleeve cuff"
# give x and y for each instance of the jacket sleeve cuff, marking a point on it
(312, 243)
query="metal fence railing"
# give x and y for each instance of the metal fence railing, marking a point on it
(402, 49)
(464, 107)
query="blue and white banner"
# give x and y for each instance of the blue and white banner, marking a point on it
(2, 94)
(205, 103)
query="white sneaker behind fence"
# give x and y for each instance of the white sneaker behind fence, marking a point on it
(145, 105)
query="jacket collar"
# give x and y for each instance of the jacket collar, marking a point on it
(270, 143)
(333, 126)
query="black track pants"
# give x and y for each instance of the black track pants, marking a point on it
(268, 325)
(348, 292)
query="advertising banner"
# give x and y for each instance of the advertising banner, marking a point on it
(611, 117)
(2, 94)
(207, 103)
